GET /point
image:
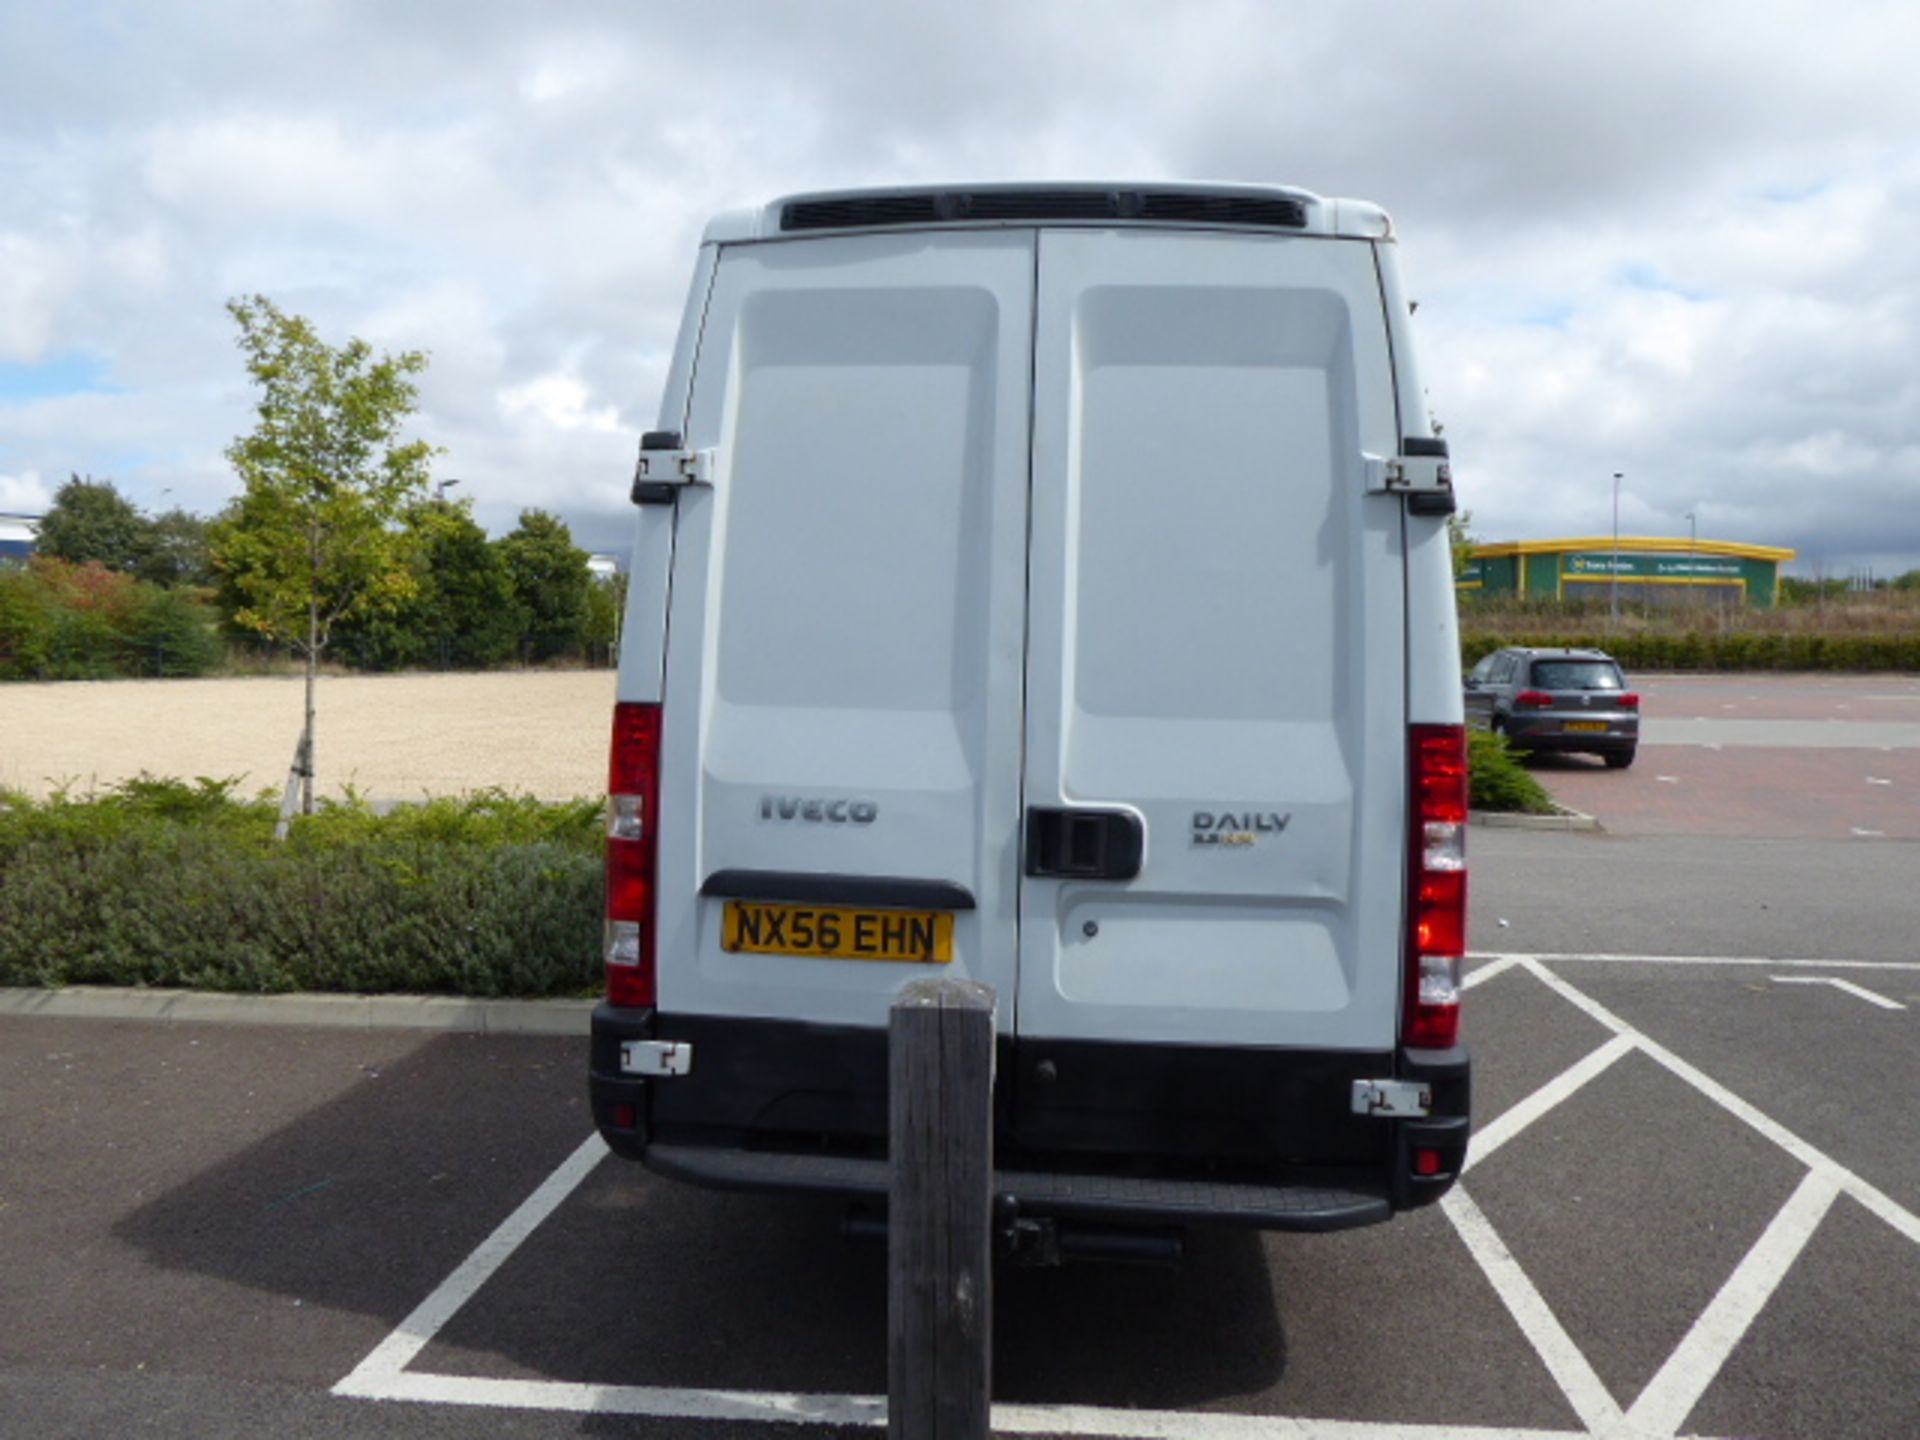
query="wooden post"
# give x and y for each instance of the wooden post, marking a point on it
(939, 1246)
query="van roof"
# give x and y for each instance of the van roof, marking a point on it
(1073, 202)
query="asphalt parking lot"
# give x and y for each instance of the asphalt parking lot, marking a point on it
(1691, 1210)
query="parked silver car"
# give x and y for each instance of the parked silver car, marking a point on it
(1570, 700)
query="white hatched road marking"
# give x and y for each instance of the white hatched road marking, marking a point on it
(1510, 1123)
(1570, 1369)
(1506, 960)
(1672, 1393)
(1659, 1411)
(1859, 992)
(410, 1337)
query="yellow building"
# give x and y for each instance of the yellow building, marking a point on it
(1639, 569)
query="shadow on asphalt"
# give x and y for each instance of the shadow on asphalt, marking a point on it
(1205, 1330)
(364, 1203)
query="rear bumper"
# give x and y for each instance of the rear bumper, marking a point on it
(1543, 732)
(1137, 1133)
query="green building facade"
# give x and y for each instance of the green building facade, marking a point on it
(1640, 569)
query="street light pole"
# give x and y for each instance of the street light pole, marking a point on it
(1613, 571)
(1692, 567)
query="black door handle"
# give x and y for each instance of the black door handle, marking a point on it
(1084, 844)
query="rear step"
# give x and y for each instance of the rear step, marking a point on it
(1268, 1207)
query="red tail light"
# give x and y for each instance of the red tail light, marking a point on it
(1436, 886)
(633, 818)
(1533, 700)
(1629, 700)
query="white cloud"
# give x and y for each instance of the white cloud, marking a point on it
(1671, 241)
(37, 278)
(24, 494)
(561, 401)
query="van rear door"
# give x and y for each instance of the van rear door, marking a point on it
(1215, 668)
(842, 724)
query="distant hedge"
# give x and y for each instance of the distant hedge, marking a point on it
(1695, 650)
(166, 883)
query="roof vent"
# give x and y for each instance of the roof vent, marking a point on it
(1185, 207)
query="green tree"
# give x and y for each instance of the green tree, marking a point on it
(472, 617)
(463, 615)
(1461, 539)
(90, 520)
(169, 633)
(175, 551)
(316, 535)
(600, 629)
(550, 579)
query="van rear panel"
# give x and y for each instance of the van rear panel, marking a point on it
(843, 674)
(1040, 623)
(1215, 641)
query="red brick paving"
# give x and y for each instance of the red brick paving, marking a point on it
(1756, 790)
(1744, 790)
(1780, 697)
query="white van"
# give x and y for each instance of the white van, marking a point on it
(1047, 585)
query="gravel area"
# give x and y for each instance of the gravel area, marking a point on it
(391, 737)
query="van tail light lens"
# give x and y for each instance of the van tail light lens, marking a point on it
(633, 822)
(1532, 700)
(1436, 886)
(1629, 700)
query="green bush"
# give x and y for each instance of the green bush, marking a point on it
(164, 882)
(60, 621)
(1497, 781)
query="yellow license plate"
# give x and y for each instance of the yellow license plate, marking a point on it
(837, 932)
(1585, 725)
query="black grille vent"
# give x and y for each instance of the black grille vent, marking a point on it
(857, 214)
(1200, 208)
(1189, 207)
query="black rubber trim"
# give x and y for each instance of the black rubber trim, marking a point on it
(809, 887)
(608, 1086)
(1108, 1197)
(1446, 1128)
(1431, 502)
(657, 492)
(1423, 445)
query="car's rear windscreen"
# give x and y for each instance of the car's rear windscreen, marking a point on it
(1577, 675)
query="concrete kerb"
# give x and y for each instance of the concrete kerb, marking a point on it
(1561, 819)
(445, 1013)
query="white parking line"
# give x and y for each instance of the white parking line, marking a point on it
(1509, 1123)
(1859, 992)
(774, 1407)
(1869, 1195)
(1564, 1360)
(1683, 960)
(373, 1376)
(1696, 1362)
(1487, 972)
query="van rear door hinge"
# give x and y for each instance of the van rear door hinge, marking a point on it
(656, 1057)
(1421, 472)
(665, 468)
(1393, 1099)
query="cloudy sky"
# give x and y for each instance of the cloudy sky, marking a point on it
(1681, 242)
